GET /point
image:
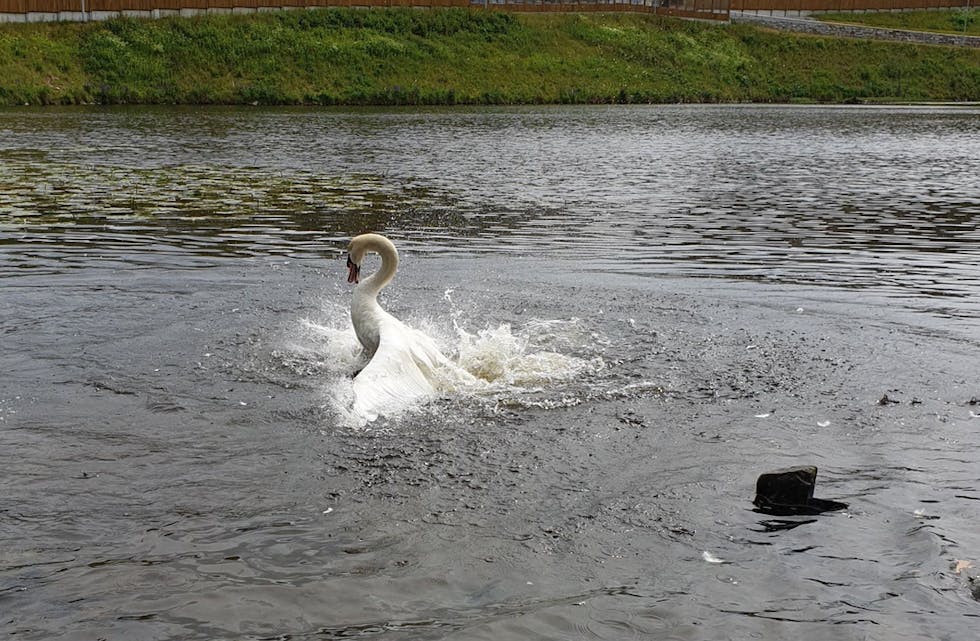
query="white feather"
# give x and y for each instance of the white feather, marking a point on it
(400, 373)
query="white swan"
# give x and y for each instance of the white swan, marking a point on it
(403, 364)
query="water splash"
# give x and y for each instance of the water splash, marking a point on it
(543, 363)
(518, 358)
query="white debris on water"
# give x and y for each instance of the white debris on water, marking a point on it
(711, 558)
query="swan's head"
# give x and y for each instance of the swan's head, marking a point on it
(364, 244)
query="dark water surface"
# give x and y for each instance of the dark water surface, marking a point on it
(664, 302)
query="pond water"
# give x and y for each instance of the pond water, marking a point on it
(664, 302)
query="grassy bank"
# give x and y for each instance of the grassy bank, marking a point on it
(341, 56)
(957, 21)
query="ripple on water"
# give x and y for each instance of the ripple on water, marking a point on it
(883, 199)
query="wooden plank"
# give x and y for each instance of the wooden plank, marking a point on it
(43, 6)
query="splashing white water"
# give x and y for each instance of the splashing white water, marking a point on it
(516, 358)
(534, 364)
(538, 353)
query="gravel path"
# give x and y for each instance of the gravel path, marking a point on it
(804, 24)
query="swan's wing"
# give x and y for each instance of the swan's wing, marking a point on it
(398, 374)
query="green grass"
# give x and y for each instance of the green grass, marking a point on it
(959, 21)
(385, 57)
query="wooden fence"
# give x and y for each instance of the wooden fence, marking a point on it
(94, 9)
(54, 6)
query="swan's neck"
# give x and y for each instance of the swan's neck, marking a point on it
(377, 281)
(365, 312)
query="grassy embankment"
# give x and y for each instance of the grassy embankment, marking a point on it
(456, 56)
(956, 21)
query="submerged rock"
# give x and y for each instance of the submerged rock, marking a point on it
(790, 491)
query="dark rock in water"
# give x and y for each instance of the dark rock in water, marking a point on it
(792, 486)
(790, 491)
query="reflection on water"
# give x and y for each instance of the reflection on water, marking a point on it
(885, 198)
